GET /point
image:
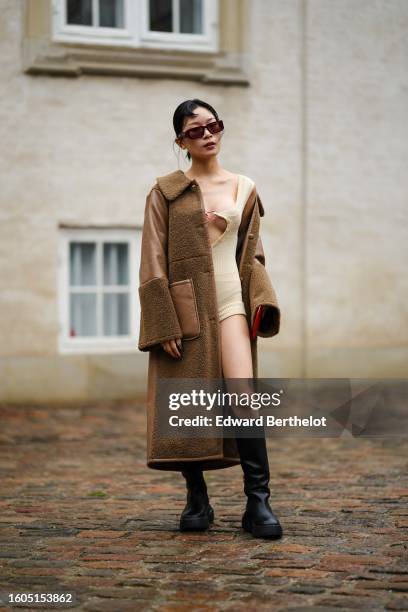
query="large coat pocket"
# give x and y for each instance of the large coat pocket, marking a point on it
(185, 304)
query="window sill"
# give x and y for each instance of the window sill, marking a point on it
(77, 59)
(84, 346)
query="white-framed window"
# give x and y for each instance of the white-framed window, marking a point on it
(157, 24)
(99, 309)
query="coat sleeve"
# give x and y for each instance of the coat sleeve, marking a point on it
(158, 318)
(261, 291)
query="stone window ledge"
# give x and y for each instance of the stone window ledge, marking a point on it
(75, 59)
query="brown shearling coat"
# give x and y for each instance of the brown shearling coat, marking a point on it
(178, 299)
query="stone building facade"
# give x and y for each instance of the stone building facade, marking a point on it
(314, 97)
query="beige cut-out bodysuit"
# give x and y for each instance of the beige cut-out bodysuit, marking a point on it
(227, 280)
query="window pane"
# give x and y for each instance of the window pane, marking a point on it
(82, 314)
(82, 263)
(161, 15)
(79, 12)
(116, 314)
(191, 17)
(111, 14)
(115, 263)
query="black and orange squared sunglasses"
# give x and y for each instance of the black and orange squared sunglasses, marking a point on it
(198, 132)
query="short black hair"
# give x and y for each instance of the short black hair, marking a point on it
(186, 109)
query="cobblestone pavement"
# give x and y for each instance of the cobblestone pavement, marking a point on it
(81, 512)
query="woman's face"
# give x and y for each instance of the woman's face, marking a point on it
(197, 147)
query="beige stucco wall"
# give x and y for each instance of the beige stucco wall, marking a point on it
(322, 131)
(357, 189)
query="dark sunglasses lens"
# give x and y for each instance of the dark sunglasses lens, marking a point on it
(196, 132)
(215, 127)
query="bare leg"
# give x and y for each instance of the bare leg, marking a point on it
(236, 359)
(236, 347)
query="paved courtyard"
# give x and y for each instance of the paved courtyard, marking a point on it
(81, 512)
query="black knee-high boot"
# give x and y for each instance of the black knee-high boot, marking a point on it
(258, 517)
(198, 513)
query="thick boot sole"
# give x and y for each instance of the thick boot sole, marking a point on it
(198, 523)
(261, 531)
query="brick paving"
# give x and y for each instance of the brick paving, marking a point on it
(81, 512)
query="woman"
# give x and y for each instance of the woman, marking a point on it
(202, 277)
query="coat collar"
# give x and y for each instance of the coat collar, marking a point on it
(173, 184)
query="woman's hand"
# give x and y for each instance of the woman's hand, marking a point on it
(173, 347)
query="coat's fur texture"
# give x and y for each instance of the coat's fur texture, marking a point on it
(176, 246)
